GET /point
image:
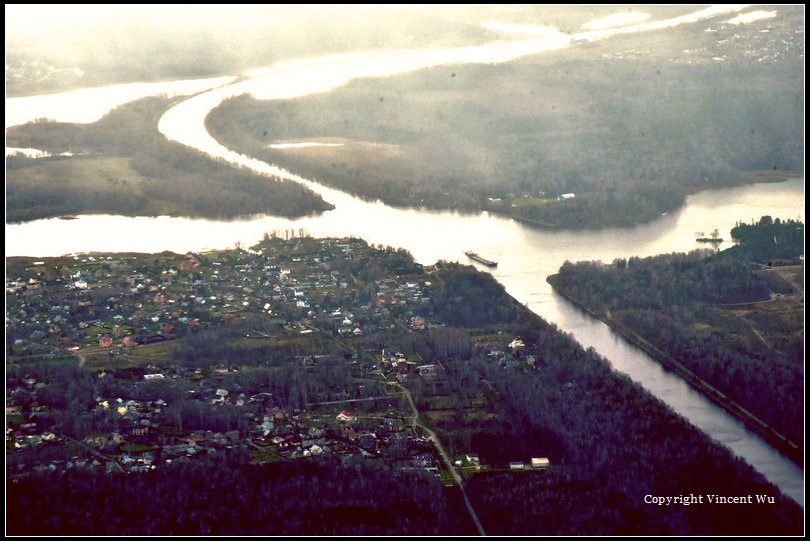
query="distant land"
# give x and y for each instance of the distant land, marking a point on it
(547, 139)
(135, 48)
(122, 165)
(731, 323)
(612, 133)
(325, 386)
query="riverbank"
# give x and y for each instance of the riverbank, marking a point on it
(121, 165)
(750, 177)
(510, 139)
(788, 448)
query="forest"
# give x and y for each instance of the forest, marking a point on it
(511, 138)
(735, 325)
(226, 495)
(610, 440)
(769, 241)
(122, 165)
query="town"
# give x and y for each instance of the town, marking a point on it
(297, 348)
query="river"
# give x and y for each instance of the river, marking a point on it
(526, 255)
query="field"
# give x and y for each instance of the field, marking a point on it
(778, 323)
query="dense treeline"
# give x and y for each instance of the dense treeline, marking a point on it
(511, 138)
(619, 445)
(671, 302)
(657, 281)
(769, 239)
(225, 495)
(123, 165)
(722, 350)
(465, 297)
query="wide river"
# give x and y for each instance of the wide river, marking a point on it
(525, 255)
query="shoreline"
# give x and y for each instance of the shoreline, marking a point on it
(235, 218)
(746, 179)
(776, 440)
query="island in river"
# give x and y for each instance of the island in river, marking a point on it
(231, 392)
(731, 323)
(122, 165)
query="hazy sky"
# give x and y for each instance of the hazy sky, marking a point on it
(227, 36)
(53, 27)
(70, 21)
(123, 43)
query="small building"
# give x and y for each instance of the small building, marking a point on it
(267, 427)
(517, 343)
(393, 425)
(566, 196)
(427, 370)
(516, 465)
(540, 463)
(189, 263)
(315, 450)
(473, 458)
(345, 417)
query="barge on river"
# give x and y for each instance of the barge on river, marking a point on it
(482, 260)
